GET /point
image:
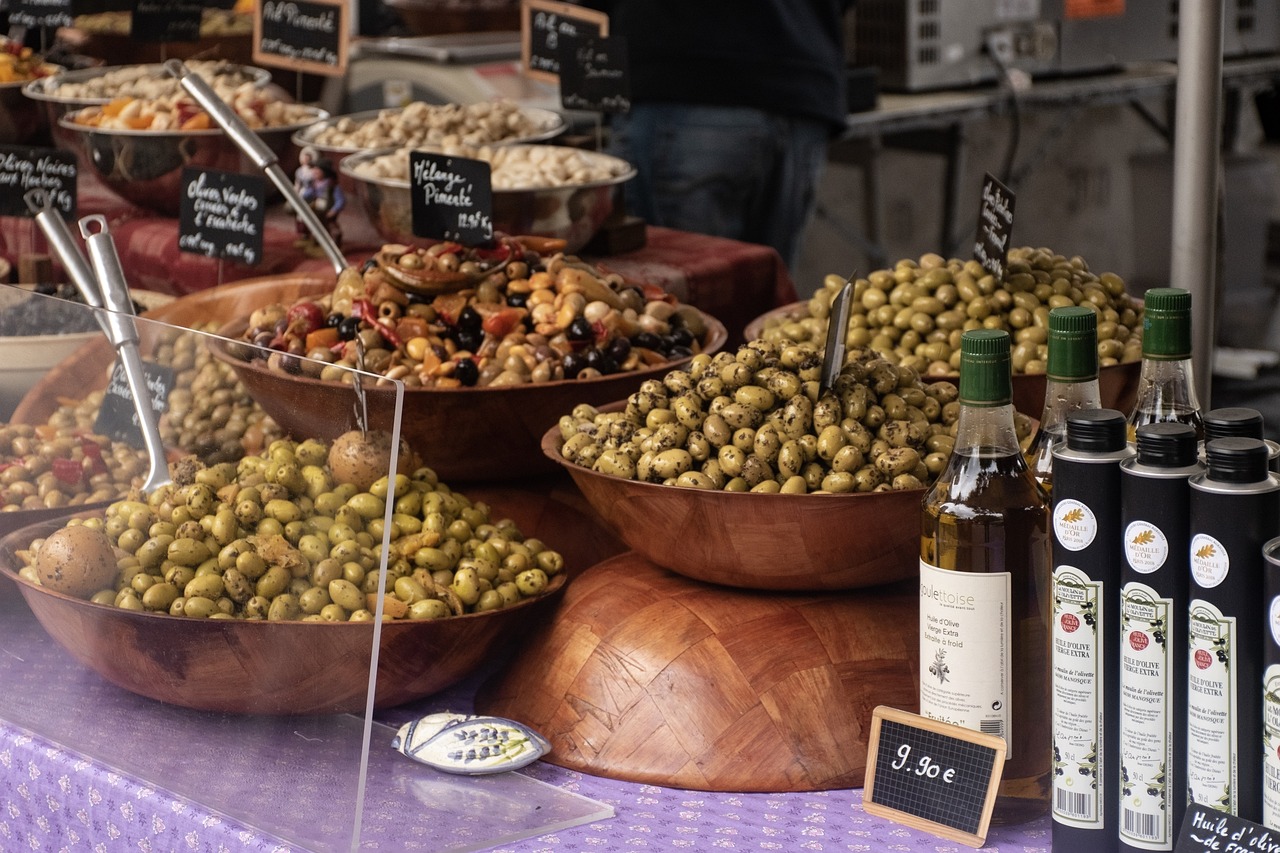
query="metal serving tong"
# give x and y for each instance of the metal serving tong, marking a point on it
(257, 151)
(837, 331)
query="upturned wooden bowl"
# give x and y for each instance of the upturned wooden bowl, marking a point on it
(758, 541)
(653, 678)
(243, 667)
(1118, 383)
(464, 434)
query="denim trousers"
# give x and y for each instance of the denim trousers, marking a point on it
(733, 172)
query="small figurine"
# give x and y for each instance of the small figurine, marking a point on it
(470, 745)
(306, 168)
(323, 195)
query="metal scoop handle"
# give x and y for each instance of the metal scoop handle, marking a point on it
(257, 151)
(837, 329)
(66, 250)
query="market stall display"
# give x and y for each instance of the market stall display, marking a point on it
(21, 121)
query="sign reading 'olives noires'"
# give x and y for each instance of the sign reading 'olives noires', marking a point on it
(931, 775)
(595, 74)
(544, 23)
(995, 227)
(302, 35)
(222, 214)
(50, 169)
(41, 13)
(452, 198)
(166, 20)
(117, 416)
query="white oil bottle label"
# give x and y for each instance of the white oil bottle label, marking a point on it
(1145, 546)
(1212, 752)
(1146, 721)
(966, 649)
(1074, 524)
(1078, 787)
(1271, 746)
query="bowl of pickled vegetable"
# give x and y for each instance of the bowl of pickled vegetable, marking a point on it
(253, 587)
(738, 470)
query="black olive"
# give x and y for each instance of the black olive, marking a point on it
(573, 364)
(647, 340)
(469, 339)
(601, 361)
(517, 300)
(334, 320)
(681, 337)
(680, 352)
(470, 319)
(619, 349)
(349, 328)
(580, 330)
(466, 372)
(418, 298)
(369, 265)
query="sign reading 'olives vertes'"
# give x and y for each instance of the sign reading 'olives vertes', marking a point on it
(222, 214)
(302, 35)
(166, 20)
(931, 775)
(117, 416)
(995, 227)
(543, 23)
(452, 198)
(50, 169)
(595, 74)
(41, 13)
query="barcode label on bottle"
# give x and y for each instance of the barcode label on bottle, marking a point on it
(1071, 804)
(992, 727)
(1139, 825)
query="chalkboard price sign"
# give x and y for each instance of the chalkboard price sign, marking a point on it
(544, 23)
(932, 776)
(166, 20)
(117, 417)
(41, 13)
(995, 226)
(50, 169)
(452, 198)
(594, 74)
(222, 214)
(302, 35)
(1205, 830)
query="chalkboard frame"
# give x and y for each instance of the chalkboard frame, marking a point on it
(528, 7)
(976, 739)
(343, 24)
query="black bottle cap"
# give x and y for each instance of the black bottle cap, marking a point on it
(1097, 431)
(1237, 460)
(1167, 445)
(1236, 421)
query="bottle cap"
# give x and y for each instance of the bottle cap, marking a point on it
(1166, 324)
(985, 368)
(1097, 430)
(1236, 421)
(1237, 460)
(1073, 345)
(1167, 445)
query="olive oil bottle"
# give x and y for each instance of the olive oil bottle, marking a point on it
(1166, 387)
(1071, 384)
(985, 584)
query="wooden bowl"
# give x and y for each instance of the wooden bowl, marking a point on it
(756, 541)
(465, 434)
(1118, 383)
(243, 667)
(653, 678)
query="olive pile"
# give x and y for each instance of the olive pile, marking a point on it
(916, 312)
(46, 317)
(275, 537)
(755, 421)
(47, 467)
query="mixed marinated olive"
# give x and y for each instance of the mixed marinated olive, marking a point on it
(758, 421)
(44, 467)
(276, 536)
(916, 312)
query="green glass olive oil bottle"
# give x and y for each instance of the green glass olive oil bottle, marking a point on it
(985, 584)
(1071, 384)
(1166, 386)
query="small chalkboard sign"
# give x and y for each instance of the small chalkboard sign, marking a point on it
(1206, 830)
(302, 35)
(23, 169)
(995, 226)
(166, 20)
(594, 74)
(452, 198)
(932, 776)
(222, 214)
(117, 417)
(543, 23)
(41, 13)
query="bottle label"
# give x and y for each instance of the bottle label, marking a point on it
(1146, 719)
(1273, 619)
(1078, 786)
(1145, 546)
(1074, 524)
(1209, 561)
(1271, 746)
(1212, 752)
(966, 649)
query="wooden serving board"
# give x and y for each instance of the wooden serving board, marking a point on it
(647, 676)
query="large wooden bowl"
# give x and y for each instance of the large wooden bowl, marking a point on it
(653, 678)
(237, 666)
(757, 541)
(464, 434)
(1118, 384)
